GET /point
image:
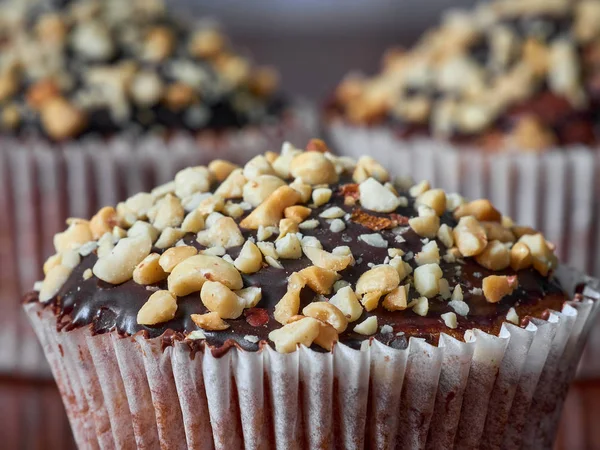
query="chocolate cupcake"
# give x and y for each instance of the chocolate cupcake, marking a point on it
(305, 301)
(92, 90)
(500, 101)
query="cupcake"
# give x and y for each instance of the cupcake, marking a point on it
(96, 89)
(500, 101)
(305, 301)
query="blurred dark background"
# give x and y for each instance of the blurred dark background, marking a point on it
(314, 43)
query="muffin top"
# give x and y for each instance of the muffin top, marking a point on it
(510, 74)
(103, 66)
(301, 247)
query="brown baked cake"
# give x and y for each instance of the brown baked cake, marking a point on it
(307, 248)
(509, 74)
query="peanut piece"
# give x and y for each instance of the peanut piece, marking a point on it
(328, 313)
(73, 237)
(221, 169)
(118, 266)
(289, 304)
(189, 275)
(220, 299)
(250, 258)
(160, 307)
(297, 213)
(435, 199)
(209, 321)
(149, 270)
(397, 299)
(55, 279)
(318, 279)
(346, 301)
(470, 236)
(103, 222)
(326, 260)
(270, 212)
(481, 209)
(383, 279)
(313, 168)
(496, 287)
(257, 190)
(174, 255)
(375, 197)
(495, 256)
(299, 332)
(520, 257)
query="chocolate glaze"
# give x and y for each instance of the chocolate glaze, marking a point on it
(108, 307)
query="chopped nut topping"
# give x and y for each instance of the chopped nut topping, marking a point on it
(482, 210)
(258, 189)
(221, 169)
(470, 237)
(494, 257)
(326, 260)
(210, 321)
(149, 271)
(270, 212)
(346, 301)
(435, 199)
(427, 279)
(250, 258)
(449, 319)
(543, 257)
(54, 280)
(103, 222)
(289, 247)
(318, 279)
(297, 213)
(160, 307)
(375, 197)
(313, 168)
(512, 316)
(367, 167)
(276, 228)
(397, 299)
(224, 233)
(189, 275)
(118, 266)
(289, 305)
(420, 306)
(430, 253)
(174, 255)
(367, 327)
(419, 189)
(76, 235)
(520, 257)
(219, 298)
(328, 313)
(495, 287)
(381, 279)
(300, 332)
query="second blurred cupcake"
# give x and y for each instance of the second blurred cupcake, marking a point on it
(99, 89)
(496, 101)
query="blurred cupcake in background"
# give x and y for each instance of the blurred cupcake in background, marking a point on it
(493, 102)
(93, 90)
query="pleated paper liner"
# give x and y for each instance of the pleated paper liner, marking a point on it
(41, 185)
(490, 392)
(556, 192)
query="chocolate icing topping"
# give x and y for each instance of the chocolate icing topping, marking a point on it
(109, 307)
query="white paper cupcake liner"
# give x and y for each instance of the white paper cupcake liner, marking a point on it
(42, 184)
(491, 392)
(556, 192)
